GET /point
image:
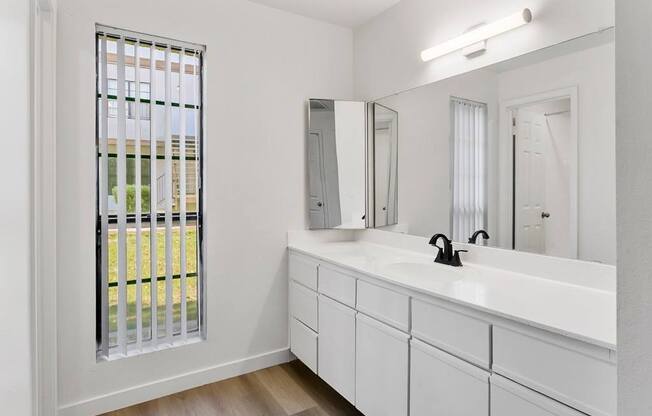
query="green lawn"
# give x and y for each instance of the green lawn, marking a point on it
(191, 267)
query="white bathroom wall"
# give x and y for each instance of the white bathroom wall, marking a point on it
(592, 71)
(15, 221)
(261, 66)
(634, 176)
(387, 48)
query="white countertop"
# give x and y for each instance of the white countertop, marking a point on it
(580, 312)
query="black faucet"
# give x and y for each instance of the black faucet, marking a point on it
(474, 237)
(446, 255)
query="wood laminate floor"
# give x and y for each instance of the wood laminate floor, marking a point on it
(289, 389)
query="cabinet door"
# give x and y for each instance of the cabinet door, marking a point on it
(511, 399)
(441, 384)
(336, 355)
(381, 369)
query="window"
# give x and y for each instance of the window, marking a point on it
(149, 275)
(469, 167)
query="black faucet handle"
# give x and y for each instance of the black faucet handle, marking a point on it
(440, 255)
(455, 261)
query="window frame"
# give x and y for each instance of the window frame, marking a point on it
(192, 216)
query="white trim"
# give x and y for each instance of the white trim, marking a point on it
(163, 387)
(506, 154)
(44, 259)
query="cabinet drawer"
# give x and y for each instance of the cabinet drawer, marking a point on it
(461, 335)
(303, 270)
(441, 384)
(303, 344)
(303, 305)
(384, 304)
(577, 374)
(511, 399)
(337, 285)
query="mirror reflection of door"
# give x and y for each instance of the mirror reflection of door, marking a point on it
(542, 149)
(317, 209)
(385, 166)
(323, 169)
(336, 143)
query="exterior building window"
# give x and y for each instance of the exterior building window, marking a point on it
(149, 276)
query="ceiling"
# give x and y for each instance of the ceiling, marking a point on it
(348, 13)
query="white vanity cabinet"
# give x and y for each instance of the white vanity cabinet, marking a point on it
(381, 368)
(395, 351)
(441, 384)
(336, 351)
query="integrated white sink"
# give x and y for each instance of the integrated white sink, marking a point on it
(430, 270)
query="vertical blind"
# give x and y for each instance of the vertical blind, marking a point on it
(469, 167)
(149, 281)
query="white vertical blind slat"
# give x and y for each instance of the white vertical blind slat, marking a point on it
(198, 178)
(168, 196)
(182, 192)
(104, 197)
(153, 197)
(138, 186)
(122, 200)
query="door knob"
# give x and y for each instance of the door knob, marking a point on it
(545, 214)
(319, 204)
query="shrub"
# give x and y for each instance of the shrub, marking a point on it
(131, 197)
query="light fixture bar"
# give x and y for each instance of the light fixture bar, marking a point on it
(478, 35)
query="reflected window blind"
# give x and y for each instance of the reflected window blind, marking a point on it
(149, 276)
(469, 167)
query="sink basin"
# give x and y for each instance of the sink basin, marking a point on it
(425, 271)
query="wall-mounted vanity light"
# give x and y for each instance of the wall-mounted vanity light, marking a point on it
(480, 34)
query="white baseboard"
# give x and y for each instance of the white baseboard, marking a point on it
(149, 391)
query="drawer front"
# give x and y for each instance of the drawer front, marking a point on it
(384, 304)
(511, 399)
(303, 344)
(578, 375)
(458, 334)
(337, 285)
(303, 270)
(441, 384)
(303, 305)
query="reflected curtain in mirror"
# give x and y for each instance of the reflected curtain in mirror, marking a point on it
(469, 167)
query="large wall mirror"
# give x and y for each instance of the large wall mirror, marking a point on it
(524, 149)
(337, 169)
